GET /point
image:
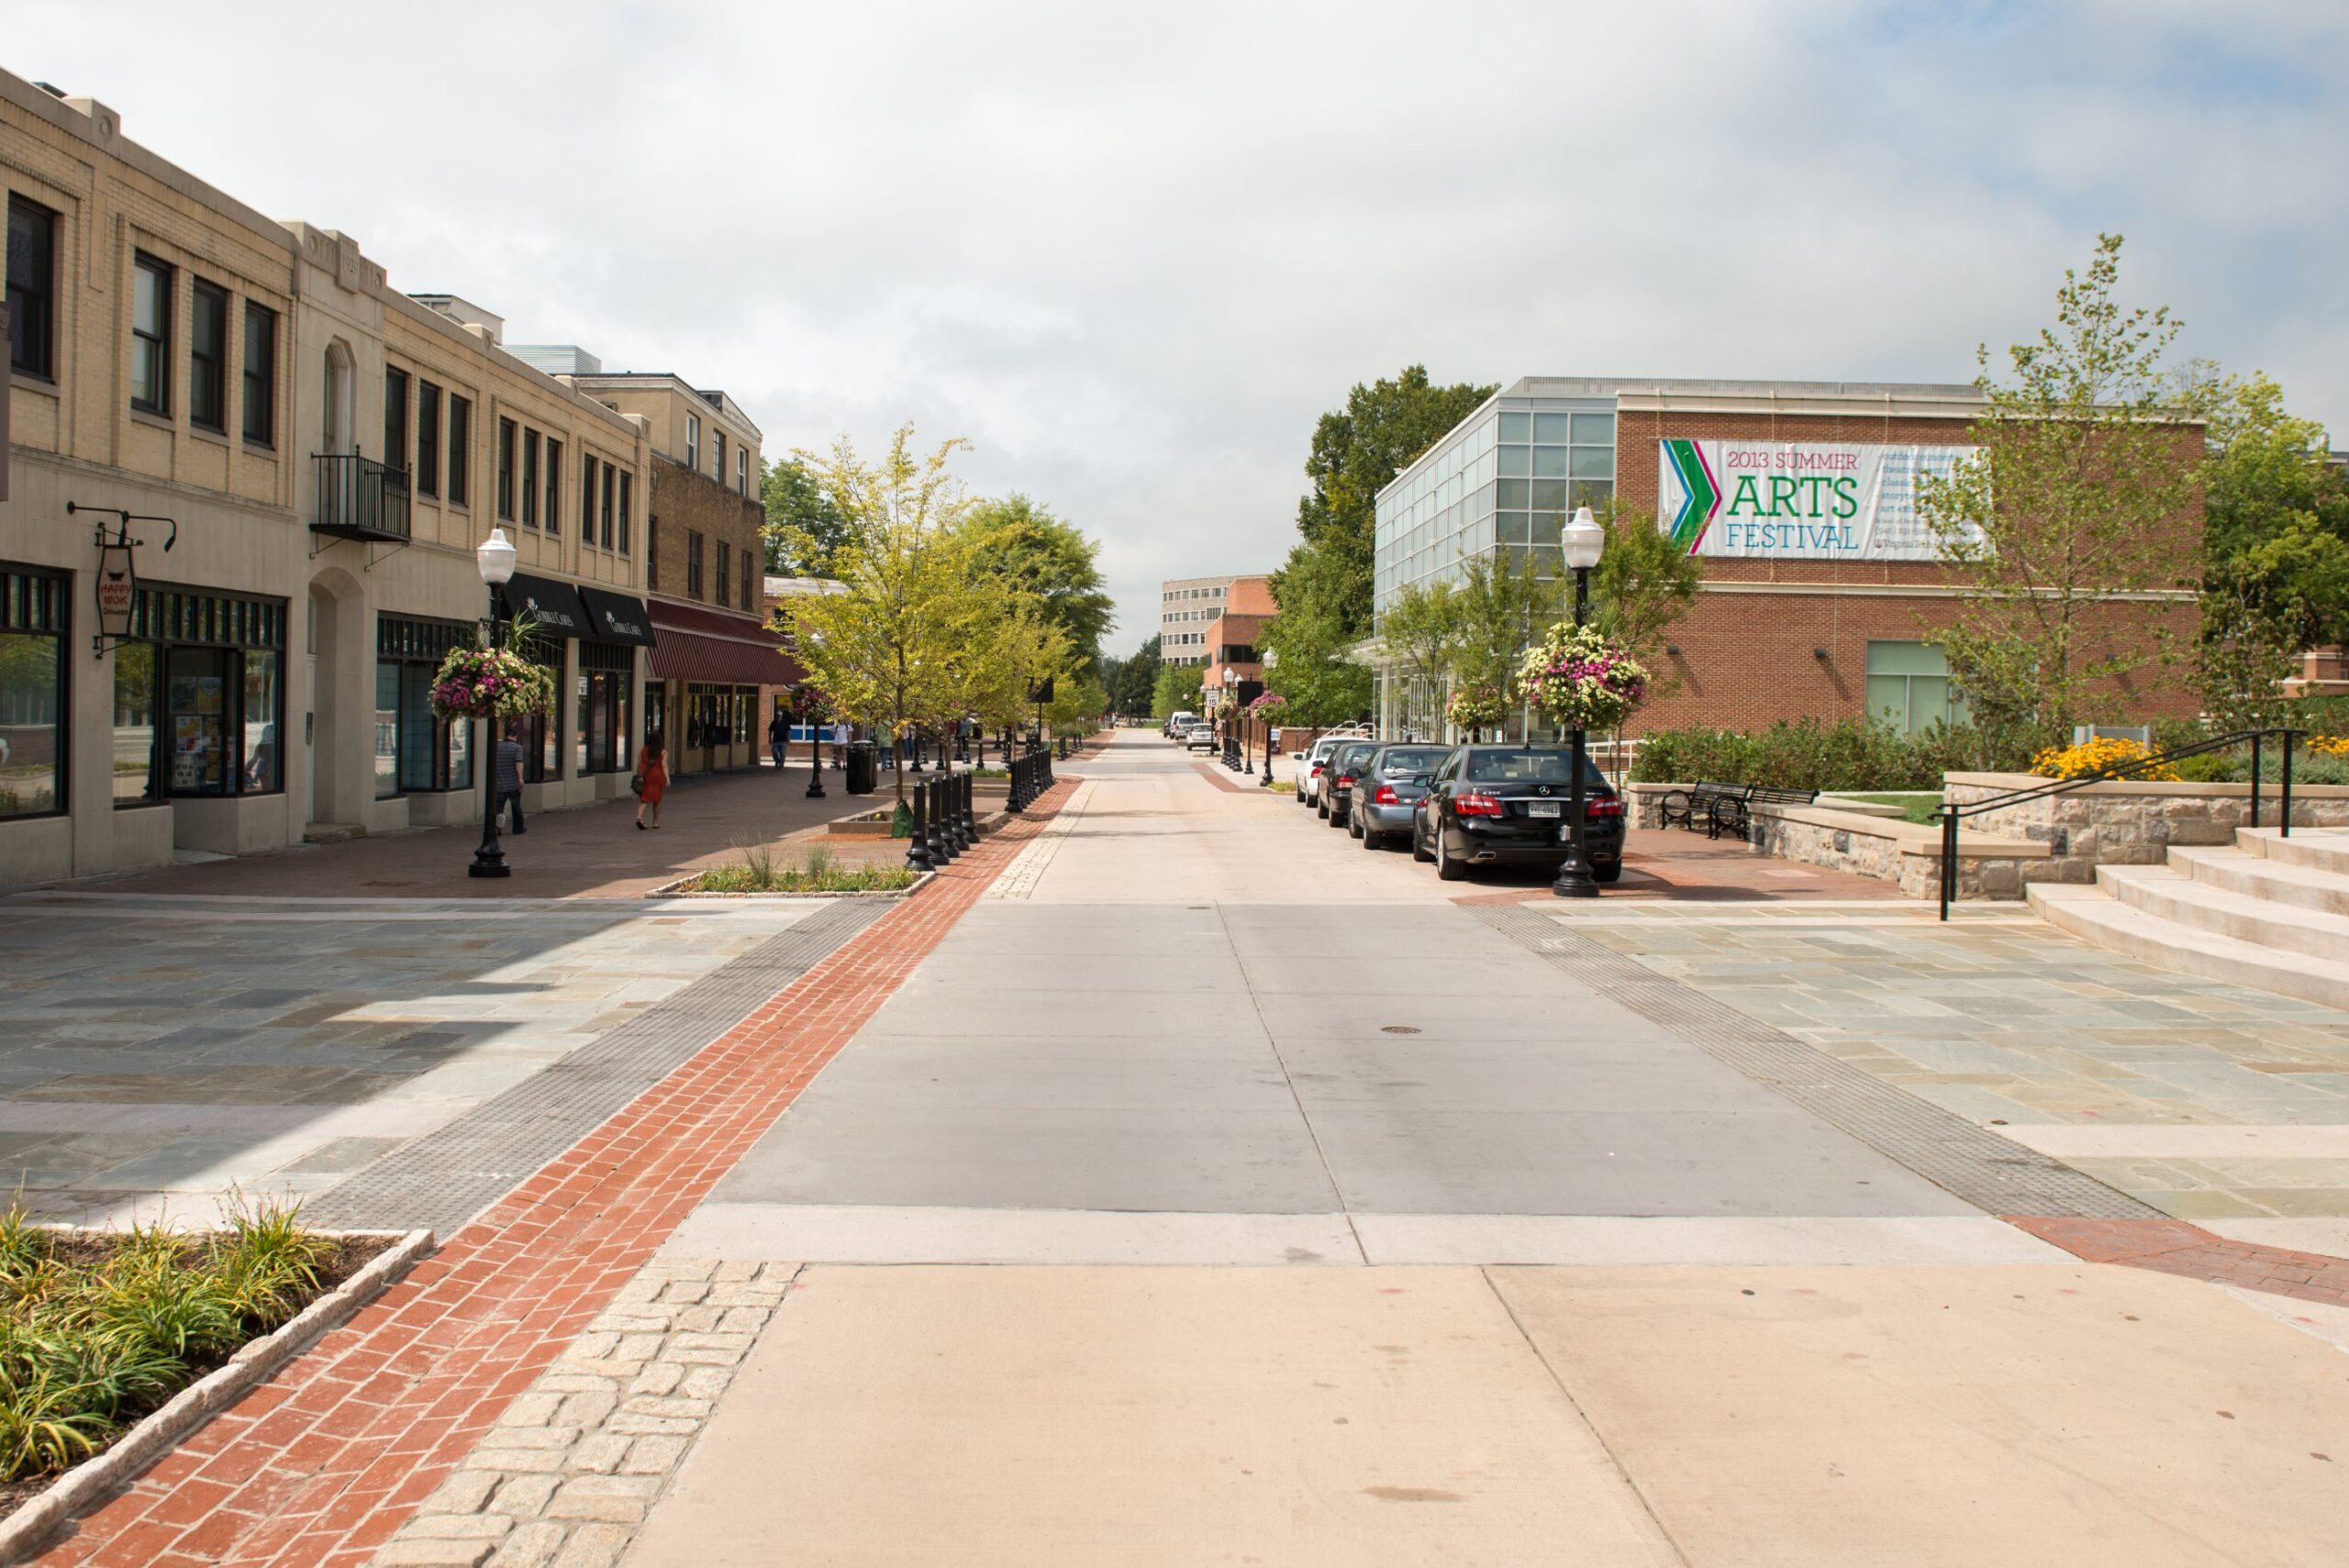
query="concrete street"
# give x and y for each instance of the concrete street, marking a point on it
(1251, 1200)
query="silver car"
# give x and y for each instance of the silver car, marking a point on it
(1389, 791)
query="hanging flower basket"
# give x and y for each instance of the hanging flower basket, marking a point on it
(1475, 707)
(491, 682)
(1270, 702)
(1581, 678)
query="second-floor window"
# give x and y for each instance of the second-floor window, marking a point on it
(554, 486)
(651, 555)
(207, 357)
(743, 469)
(627, 488)
(394, 418)
(718, 469)
(505, 469)
(32, 288)
(725, 572)
(261, 374)
(692, 564)
(461, 438)
(750, 575)
(607, 512)
(587, 497)
(693, 441)
(151, 336)
(427, 438)
(531, 478)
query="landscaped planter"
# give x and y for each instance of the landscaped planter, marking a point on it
(83, 1487)
(1873, 841)
(680, 888)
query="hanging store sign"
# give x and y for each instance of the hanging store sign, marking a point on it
(118, 590)
(1797, 500)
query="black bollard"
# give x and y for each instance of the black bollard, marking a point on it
(941, 839)
(970, 809)
(918, 847)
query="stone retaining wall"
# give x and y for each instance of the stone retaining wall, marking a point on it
(2133, 823)
(1869, 840)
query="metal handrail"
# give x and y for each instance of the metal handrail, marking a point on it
(1949, 813)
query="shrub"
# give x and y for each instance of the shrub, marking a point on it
(816, 873)
(2106, 754)
(1850, 754)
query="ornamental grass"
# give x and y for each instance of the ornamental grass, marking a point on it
(814, 871)
(96, 1330)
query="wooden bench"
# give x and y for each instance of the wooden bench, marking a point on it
(1736, 814)
(1687, 806)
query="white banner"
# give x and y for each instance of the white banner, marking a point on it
(1797, 500)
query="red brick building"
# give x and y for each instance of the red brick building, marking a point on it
(1821, 590)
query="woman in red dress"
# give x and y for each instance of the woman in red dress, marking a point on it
(655, 773)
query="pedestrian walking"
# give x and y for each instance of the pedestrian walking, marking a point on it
(651, 782)
(510, 776)
(778, 735)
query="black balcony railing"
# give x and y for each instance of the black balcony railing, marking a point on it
(361, 498)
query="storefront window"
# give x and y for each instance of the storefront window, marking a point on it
(388, 730)
(419, 738)
(32, 695)
(197, 692)
(263, 763)
(460, 754)
(425, 753)
(134, 725)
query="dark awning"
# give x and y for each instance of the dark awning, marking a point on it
(554, 606)
(616, 618)
(699, 644)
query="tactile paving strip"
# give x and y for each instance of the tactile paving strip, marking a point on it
(1989, 1172)
(446, 1177)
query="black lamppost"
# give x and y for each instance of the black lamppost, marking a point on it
(1272, 660)
(815, 753)
(494, 557)
(1582, 540)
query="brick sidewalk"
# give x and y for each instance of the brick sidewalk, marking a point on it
(323, 1464)
(2175, 1247)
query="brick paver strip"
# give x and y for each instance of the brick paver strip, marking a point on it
(1221, 776)
(323, 1464)
(2175, 1247)
(1991, 1173)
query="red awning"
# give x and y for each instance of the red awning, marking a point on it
(696, 644)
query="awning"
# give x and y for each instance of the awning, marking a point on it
(554, 606)
(698, 644)
(616, 618)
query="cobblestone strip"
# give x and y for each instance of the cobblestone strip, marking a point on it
(1988, 1172)
(1020, 880)
(578, 1459)
(320, 1466)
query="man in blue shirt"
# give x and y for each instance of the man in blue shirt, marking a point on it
(510, 776)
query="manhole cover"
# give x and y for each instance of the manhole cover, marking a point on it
(1398, 1028)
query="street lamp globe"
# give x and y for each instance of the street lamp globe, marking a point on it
(1582, 540)
(495, 558)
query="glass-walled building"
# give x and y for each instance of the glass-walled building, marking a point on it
(1822, 589)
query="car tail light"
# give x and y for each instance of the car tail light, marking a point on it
(1345, 781)
(1476, 805)
(1386, 797)
(1605, 806)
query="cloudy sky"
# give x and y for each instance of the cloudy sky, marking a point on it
(1132, 251)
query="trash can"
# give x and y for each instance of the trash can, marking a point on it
(863, 768)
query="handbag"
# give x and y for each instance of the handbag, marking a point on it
(635, 783)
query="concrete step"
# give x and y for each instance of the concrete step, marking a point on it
(2167, 892)
(2093, 915)
(2257, 877)
(2323, 848)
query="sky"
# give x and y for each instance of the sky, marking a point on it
(1132, 252)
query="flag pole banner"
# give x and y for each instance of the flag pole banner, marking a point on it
(1797, 500)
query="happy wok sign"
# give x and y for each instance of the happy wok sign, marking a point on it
(1797, 500)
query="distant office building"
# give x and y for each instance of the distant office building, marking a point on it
(1185, 608)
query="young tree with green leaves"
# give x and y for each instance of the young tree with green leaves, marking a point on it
(1502, 609)
(2083, 487)
(1419, 630)
(802, 527)
(1137, 679)
(1023, 546)
(1178, 689)
(891, 652)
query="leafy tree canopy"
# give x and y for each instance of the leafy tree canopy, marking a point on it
(1023, 543)
(804, 527)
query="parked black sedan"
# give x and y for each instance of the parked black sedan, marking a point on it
(1507, 806)
(1388, 789)
(1337, 785)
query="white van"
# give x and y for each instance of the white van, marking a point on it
(1176, 723)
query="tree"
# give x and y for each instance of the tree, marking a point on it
(2079, 490)
(1500, 610)
(1420, 628)
(1323, 589)
(2276, 528)
(1176, 690)
(1136, 679)
(895, 650)
(1023, 546)
(803, 526)
(1642, 584)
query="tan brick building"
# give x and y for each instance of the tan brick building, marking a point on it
(717, 669)
(1820, 588)
(321, 454)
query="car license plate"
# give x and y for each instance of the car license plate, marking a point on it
(1543, 809)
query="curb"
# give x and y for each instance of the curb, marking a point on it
(79, 1490)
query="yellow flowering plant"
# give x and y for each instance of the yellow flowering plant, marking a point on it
(2105, 755)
